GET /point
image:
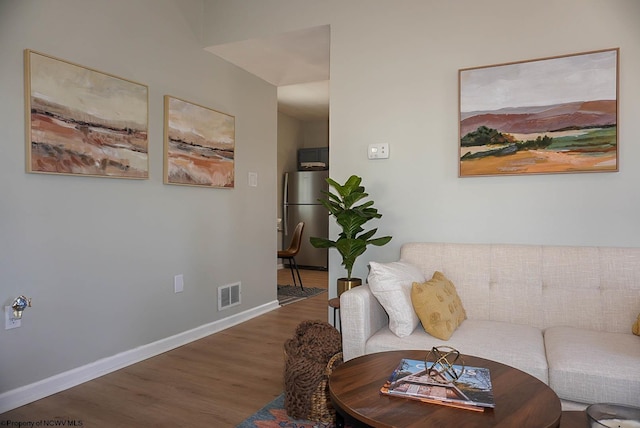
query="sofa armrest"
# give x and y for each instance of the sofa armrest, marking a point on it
(360, 317)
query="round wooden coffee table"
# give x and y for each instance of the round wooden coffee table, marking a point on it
(521, 399)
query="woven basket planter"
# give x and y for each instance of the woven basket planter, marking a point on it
(306, 373)
(320, 408)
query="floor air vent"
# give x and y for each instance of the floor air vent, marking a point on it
(228, 295)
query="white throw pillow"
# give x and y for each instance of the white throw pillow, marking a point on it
(391, 284)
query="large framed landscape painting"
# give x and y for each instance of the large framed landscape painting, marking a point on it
(81, 121)
(199, 145)
(551, 115)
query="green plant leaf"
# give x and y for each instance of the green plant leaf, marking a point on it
(322, 242)
(366, 236)
(380, 241)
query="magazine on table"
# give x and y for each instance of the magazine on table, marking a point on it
(471, 391)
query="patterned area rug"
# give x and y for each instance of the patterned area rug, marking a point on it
(288, 294)
(273, 415)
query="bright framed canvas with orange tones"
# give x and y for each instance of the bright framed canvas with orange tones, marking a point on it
(199, 145)
(550, 115)
(81, 121)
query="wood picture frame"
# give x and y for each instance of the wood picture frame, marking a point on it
(80, 121)
(199, 145)
(549, 115)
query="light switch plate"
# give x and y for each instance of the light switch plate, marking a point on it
(178, 283)
(253, 179)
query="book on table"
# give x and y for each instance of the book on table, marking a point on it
(472, 390)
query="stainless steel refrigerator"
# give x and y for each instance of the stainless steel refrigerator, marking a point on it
(301, 192)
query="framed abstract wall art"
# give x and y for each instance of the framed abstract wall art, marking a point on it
(81, 121)
(199, 145)
(551, 115)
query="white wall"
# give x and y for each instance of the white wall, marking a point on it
(315, 133)
(98, 255)
(394, 71)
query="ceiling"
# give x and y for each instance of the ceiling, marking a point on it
(296, 62)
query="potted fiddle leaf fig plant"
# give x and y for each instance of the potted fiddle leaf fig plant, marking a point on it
(352, 242)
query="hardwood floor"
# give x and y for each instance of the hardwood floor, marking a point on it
(217, 381)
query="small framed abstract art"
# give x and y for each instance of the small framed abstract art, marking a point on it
(550, 115)
(199, 145)
(81, 121)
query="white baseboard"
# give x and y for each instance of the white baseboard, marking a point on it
(54, 384)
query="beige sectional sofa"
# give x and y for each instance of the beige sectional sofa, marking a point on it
(562, 314)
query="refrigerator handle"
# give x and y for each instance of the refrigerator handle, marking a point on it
(285, 204)
(285, 219)
(285, 191)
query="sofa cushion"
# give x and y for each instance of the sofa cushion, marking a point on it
(592, 366)
(391, 284)
(438, 306)
(516, 345)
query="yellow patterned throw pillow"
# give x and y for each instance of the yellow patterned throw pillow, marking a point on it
(438, 306)
(636, 327)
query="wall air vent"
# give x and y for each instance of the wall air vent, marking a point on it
(228, 295)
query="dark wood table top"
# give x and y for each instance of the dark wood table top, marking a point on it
(521, 399)
(574, 419)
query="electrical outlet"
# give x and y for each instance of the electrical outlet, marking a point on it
(9, 321)
(178, 283)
